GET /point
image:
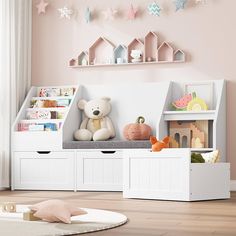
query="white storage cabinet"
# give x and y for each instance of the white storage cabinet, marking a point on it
(44, 170)
(38, 159)
(170, 175)
(99, 170)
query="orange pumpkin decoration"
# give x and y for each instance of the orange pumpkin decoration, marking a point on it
(138, 130)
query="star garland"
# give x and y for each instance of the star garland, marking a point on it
(110, 14)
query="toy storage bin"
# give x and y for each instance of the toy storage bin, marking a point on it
(43, 170)
(99, 170)
(170, 175)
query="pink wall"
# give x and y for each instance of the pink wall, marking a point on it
(206, 32)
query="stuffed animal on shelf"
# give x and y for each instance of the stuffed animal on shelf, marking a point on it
(96, 125)
(157, 145)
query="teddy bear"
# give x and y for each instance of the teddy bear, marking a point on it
(96, 125)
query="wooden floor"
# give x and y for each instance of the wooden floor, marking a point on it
(146, 217)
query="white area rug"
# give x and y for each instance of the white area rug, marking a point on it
(12, 224)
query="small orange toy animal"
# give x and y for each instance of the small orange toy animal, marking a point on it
(157, 146)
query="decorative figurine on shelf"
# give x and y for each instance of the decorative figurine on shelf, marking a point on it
(84, 62)
(189, 102)
(157, 145)
(136, 55)
(96, 125)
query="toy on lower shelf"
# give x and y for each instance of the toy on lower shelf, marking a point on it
(208, 157)
(188, 134)
(197, 158)
(211, 157)
(157, 145)
(190, 102)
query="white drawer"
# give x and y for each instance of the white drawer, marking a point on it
(44, 170)
(100, 171)
(44, 154)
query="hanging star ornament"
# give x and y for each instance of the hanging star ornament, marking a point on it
(110, 14)
(132, 12)
(179, 4)
(88, 15)
(65, 12)
(154, 9)
(42, 7)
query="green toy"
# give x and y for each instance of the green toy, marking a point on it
(197, 158)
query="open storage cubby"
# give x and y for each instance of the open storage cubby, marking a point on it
(170, 175)
(194, 134)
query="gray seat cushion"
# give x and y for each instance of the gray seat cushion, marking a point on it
(110, 144)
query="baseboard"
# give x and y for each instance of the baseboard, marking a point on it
(233, 185)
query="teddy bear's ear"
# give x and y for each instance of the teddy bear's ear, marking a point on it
(107, 99)
(81, 104)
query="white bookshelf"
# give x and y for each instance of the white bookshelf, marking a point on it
(45, 140)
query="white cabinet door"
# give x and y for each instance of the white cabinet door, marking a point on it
(99, 171)
(43, 170)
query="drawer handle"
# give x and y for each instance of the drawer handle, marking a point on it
(108, 152)
(43, 152)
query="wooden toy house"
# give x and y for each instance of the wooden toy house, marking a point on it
(101, 52)
(150, 47)
(188, 134)
(165, 52)
(136, 44)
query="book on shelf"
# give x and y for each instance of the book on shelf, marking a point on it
(44, 115)
(56, 92)
(39, 126)
(60, 102)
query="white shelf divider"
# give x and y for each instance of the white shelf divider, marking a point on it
(189, 115)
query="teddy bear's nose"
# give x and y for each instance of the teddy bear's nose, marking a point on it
(96, 112)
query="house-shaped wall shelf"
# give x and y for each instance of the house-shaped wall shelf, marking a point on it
(83, 58)
(165, 52)
(104, 53)
(73, 62)
(136, 44)
(101, 52)
(179, 55)
(120, 54)
(150, 47)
